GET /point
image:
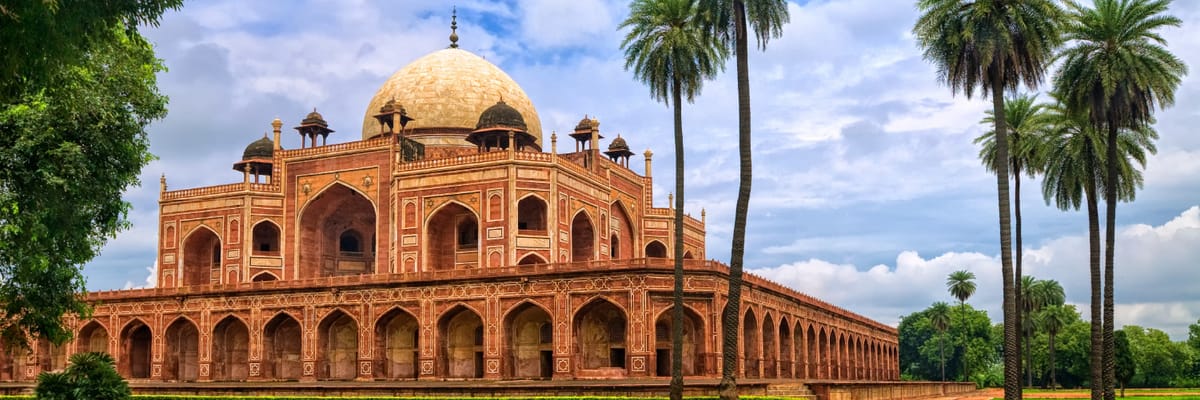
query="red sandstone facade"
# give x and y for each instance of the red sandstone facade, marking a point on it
(452, 250)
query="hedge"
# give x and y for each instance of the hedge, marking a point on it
(286, 397)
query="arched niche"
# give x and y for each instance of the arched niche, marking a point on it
(583, 238)
(265, 239)
(51, 357)
(600, 330)
(93, 337)
(201, 257)
(621, 236)
(324, 222)
(785, 348)
(337, 357)
(397, 340)
(460, 337)
(769, 342)
(281, 348)
(182, 360)
(751, 344)
(532, 216)
(230, 350)
(134, 361)
(693, 342)
(529, 342)
(656, 249)
(452, 234)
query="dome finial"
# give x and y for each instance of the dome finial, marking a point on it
(454, 27)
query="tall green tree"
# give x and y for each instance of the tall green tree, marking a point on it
(1118, 69)
(1052, 319)
(939, 318)
(1074, 154)
(961, 285)
(1037, 294)
(993, 46)
(1126, 367)
(1027, 122)
(76, 94)
(730, 21)
(668, 49)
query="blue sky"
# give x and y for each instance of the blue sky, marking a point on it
(867, 189)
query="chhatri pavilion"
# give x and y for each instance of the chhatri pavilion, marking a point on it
(454, 240)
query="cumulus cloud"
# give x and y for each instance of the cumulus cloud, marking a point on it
(1155, 274)
(151, 279)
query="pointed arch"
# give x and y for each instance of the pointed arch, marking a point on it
(531, 259)
(751, 344)
(136, 340)
(460, 343)
(452, 237)
(264, 276)
(823, 350)
(785, 348)
(230, 350)
(182, 344)
(281, 347)
(334, 210)
(265, 238)
(600, 330)
(92, 337)
(397, 344)
(337, 346)
(201, 257)
(532, 215)
(656, 249)
(529, 341)
(693, 342)
(622, 232)
(583, 237)
(770, 347)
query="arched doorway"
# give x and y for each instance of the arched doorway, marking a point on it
(230, 350)
(201, 257)
(751, 347)
(600, 329)
(182, 361)
(397, 336)
(335, 215)
(583, 238)
(693, 343)
(460, 343)
(769, 343)
(281, 348)
(51, 357)
(453, 238)
(529, 347)
(135, 350)
(337, 358)
(785, 349)
(822, 355)
(655, 249)
(93, 338)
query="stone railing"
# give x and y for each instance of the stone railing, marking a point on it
(378, 142)
(219, 189)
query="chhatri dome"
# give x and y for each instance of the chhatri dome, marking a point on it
(445, 92)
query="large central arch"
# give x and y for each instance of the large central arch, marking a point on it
(529, 342)
(337, 234)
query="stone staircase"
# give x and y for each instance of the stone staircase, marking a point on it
(790, 389)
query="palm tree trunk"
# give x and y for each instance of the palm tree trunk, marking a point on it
(730, 317)
(942, 353)
(677, 310)
(1095, 367)
(1018, 294)
(1012, 359)
(1110, 239)
(962, 306)
(1053, 379)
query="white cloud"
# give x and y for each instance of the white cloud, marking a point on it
(151, 279)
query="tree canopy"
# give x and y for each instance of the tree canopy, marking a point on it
(74, 105)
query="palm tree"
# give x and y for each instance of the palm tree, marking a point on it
(1037, 295)
(729, 21)
(995, 46)
(961, 284)
(1053, 319)
(1027, 121)
(1117, 69)
(939, 319)
(1073, 155)
(668, 50)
